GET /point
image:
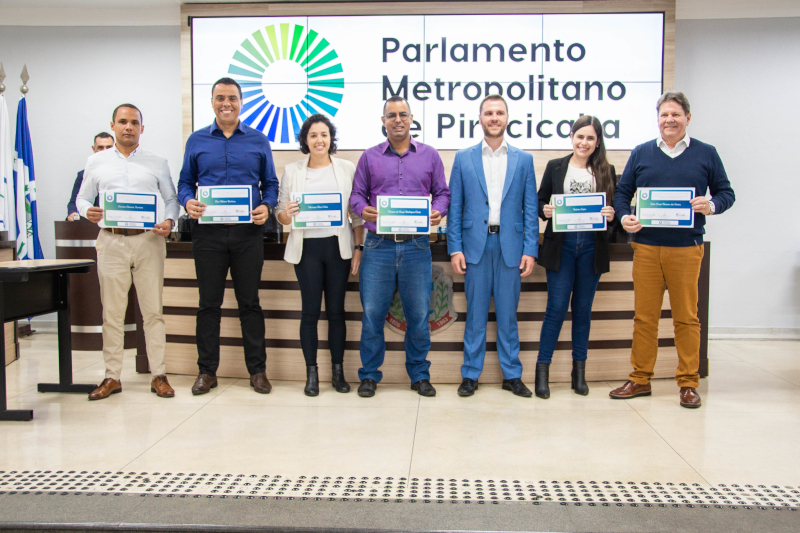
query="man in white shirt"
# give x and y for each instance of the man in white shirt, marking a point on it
(130, 254)
(493, 239)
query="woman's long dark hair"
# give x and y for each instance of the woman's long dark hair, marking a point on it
(598, 164)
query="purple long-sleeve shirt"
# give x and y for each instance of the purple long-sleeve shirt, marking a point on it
(381, 171)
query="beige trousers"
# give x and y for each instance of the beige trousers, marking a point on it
(120, 259)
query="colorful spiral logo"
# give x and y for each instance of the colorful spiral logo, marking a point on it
(287, 72)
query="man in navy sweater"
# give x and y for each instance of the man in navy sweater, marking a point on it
(670, 257)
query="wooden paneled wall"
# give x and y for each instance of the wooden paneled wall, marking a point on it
(609, 343)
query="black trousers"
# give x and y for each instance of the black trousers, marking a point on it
(240, 248)
(322, 269)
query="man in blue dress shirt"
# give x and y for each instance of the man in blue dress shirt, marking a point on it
(229, 152)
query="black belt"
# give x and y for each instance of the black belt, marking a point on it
(494, 229)
(125, 231)
(397, 237)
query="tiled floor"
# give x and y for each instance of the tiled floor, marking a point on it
(748, 430)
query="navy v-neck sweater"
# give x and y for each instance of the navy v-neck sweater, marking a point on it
(699, 166)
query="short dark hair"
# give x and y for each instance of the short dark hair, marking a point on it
(674, 96)
(102, 135)
(129, 106)
(493, 97)
(226, 81)
(396, 98)
(302, 137)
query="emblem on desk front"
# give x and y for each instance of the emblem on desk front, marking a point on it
(441, 315)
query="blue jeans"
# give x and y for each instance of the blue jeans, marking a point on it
(386, 265)
(575, 278)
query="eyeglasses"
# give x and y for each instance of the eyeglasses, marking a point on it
(403, 116)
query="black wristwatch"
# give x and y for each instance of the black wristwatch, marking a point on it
(360, 247)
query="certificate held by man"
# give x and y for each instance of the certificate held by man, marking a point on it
(579, 212)
(667, 207)
(318, 210)
(225, 204)
(129, 210)
(404, 214)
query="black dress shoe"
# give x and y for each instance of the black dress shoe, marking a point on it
(541, 385)
(367, 388)
(312, 381)
(339, 383)
(468, 387)
(517, 387)
(423, 387)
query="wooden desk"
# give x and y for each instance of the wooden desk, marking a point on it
(609, 343)
(8, 253)
(36, 287)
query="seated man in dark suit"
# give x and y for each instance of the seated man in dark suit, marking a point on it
(102, 141)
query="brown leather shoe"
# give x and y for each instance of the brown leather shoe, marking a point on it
(161, 387)
(689, 398)
(631, 389)
(203, 384)
(260, 383)
(107, 388)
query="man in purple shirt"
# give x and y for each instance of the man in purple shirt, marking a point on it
(398, 167)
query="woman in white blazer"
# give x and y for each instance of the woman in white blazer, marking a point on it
(323, 258)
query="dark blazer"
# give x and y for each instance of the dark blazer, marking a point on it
(71, 206)
(550, 250)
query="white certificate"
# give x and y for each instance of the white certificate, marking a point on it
(225, 204)
(404, 214)
(318, 210)
(669, 207)
(129, 210)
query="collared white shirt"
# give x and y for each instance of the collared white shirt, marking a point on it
(680, 146)
(141, 172)
(494, 169)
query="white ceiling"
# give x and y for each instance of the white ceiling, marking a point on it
(167, 12)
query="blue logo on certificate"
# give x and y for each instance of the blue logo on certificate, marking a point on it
(226, 204)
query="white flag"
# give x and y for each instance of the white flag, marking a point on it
(8, 217)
